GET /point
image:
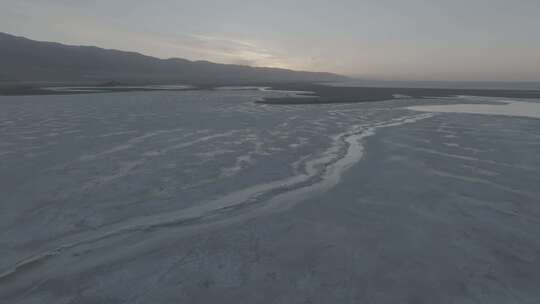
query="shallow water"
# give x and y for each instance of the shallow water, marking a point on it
(508, 108)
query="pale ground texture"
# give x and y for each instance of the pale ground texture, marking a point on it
(208, 197)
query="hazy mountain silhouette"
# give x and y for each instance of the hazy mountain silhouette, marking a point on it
(23, 59)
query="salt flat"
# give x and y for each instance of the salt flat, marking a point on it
(206, 196)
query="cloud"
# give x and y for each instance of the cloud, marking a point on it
(232, 50)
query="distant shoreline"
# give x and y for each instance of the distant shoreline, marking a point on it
(321, 93)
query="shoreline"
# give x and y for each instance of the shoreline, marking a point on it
(312, 93)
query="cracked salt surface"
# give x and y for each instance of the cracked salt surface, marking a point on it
(205, 197)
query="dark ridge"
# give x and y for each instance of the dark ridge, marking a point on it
(25, 60)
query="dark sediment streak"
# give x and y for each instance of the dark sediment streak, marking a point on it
(323, 94)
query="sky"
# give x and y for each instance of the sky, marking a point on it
(456, 40)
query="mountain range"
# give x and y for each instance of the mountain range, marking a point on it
(25, 60)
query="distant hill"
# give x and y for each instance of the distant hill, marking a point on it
(22, 59)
